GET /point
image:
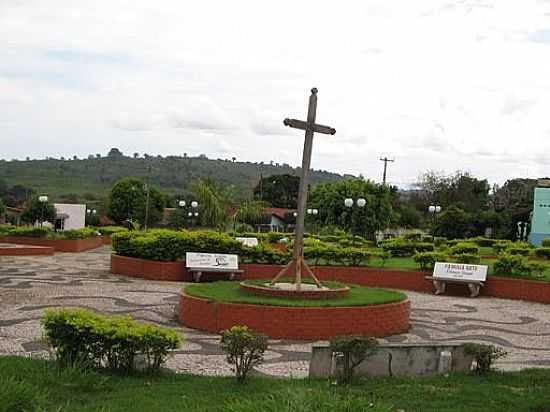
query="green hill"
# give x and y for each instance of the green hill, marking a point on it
(93, 177)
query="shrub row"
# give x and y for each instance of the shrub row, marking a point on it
(85, 338)
(508, 264)
(427, 260)
(399, 247)
(47, 233)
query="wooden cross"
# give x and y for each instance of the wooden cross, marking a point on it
(297, 263)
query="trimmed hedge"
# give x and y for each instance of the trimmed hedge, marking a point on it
(111, 230)
(508, 264)
(543, 252)
(464, 247)
(546, 242)
(47, 233)
(82, 337)
(427, 260)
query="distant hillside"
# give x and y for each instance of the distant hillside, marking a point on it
(94, 176)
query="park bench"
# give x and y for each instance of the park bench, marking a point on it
(199, 263)
(462, 273)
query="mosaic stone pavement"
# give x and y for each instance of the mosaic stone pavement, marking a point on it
(29, 285)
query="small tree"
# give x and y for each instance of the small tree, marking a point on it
(127, 201)
(244, 349)
(2, 209)
(484, 356)
(38, 211)
(354, 350)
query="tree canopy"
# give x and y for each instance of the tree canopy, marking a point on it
(38, 211)
(127, 200)
(278, 190)
(328, 198)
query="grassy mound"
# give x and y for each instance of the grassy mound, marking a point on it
(230, 292)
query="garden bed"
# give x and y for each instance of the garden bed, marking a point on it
(25, 250)
(216, 306)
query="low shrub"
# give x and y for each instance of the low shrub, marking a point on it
(501, 245)
(440, 241)
(427, 239)
(483, 241)
(424, 247)
(484, 356)
(37, 232)
(427, 260)
(398, 247)
(353, 350)
(83, 337)
(464, 247)
(413, 236)
(244, 349)
(111, 230)
(518, 251)
(74, 234)
(468, 258)
(329, 254)
(546, 242)
(508, 264)
(543, 252)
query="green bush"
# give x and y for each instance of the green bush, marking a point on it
(244, 349)
(83, 337)
(468, 258)
(424, 247)
(543, 252)
(440, 241)
(398, 247)
(464, 247)
(354, 350)
(427, 239)
(483, 241)
(518, 251)
(508, 264)
(501, 245)
(427, 260)
(413, 236)
(74, 234)
(38, 232)
(111, 230)
(546, 242)
(484, 356)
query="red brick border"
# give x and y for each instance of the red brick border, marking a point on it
(296, 322)
(499, 287)
(26, 250)
(61, 245)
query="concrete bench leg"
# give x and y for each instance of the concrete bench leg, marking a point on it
(439, 286)
(232, 276)
(474, 289)
(197, 276)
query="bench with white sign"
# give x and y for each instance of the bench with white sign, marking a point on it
(199, 263)
(472, 275)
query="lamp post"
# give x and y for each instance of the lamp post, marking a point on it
(43, 199)
(192, 211)
(91, 213)
(312, 212)
(434, 210)
(350, 203)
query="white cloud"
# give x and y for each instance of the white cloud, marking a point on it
(441, 85)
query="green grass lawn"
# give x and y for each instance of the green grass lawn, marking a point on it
(39, 386)
(227, 291)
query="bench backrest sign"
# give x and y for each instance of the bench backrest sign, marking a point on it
(211, 261)
(248, 241)
(460, 271)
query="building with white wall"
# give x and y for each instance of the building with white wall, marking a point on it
(70, 216)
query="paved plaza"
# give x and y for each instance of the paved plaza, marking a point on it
(30, 285)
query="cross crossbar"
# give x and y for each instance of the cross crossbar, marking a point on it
(317, 128)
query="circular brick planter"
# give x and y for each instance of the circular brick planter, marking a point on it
(260, 290)
(300, 323)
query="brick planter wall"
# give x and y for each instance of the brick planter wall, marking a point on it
(62, 245)
(296, 323)
(500, 287)
(106, 239)
(26, 250)
(148, 269)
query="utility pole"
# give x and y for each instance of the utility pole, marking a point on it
(147, 188)
(385, 160)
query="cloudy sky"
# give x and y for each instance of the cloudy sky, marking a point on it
(440, 85)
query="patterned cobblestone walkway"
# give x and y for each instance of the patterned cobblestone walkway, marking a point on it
(29, 285)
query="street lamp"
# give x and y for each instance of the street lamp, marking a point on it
(192, 209)
(43, 199)
(434, 210)
(349, 202)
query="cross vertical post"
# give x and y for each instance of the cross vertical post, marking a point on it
(297, 263)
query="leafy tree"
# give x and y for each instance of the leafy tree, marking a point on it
(127, 201)
(375, 215)
(2, 209)
(114, 152)
(453, 223)
(244, 349)
(278, 190)
(212, 204)
(251, 212)
(38, 211)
